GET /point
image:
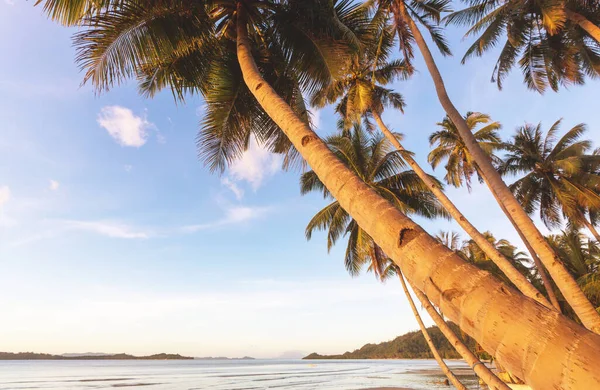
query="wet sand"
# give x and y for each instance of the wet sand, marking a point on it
(388, 388)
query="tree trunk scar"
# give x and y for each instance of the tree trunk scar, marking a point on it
(406, 236)
(259, 86)
(306, 139)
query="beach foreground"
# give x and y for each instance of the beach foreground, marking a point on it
(230, 374)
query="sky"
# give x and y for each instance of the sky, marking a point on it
(115, 238)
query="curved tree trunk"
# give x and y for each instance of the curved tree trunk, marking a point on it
(480, 369)
(499, 318)
(591, 228)
(502, 262)
(585, 24)
(536, 259)
(451, 377)
(563, 279)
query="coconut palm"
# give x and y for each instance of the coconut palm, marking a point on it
(373, 159)
(481, 370)
(405, 13)
(557, 180)
(582, 257)
(253, 34)
(550, 39)
(475, 255)
(450, 239)
(362, 94)
(450, 148)
(460, 167)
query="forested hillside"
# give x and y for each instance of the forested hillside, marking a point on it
(411, 345)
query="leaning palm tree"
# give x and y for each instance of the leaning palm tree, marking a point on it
(252, 33)
(382, 168)
(449, 147)
(461, 166)
(406, 14)
(548, 39)
(480, 369)
(492, 381)
(373, 159)
(557, 180)
(362, 94)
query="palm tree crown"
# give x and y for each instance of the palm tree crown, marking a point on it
(190, 47)
(557, 178)
(581, 255)
(449, 147)
(361, 91)
(372, 158)
(549, 48)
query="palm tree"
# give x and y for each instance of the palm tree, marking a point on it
(449, 147)
(362, 94)
(451, 240)
(475, 255)
(557, 178)
(549, 39)
(582, 257)
(372, 159)
(247, 31)
(405, 12)
(481, 370)
(460, 167)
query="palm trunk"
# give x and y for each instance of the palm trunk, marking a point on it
(451, 377)
(519, 280)
(469, 296)
(563, 279)
(480, 369)
(584, 23)
(591, 228)
(536, 259)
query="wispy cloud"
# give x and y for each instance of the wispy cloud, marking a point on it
(124, 126)
(109, 229)
(255, 165)
(127, 167)
(54, 185)
(237, 191)
(233, 216)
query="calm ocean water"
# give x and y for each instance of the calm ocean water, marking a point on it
(226, 375)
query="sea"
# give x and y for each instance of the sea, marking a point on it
(227, 374)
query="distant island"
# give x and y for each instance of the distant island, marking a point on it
(224, 358)
(411, 345)
(88, 356)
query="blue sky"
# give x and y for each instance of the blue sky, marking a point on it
(114, 237)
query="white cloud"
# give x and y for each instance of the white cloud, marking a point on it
(233, 216)
(4, 195)
(54, 185)
(239, 193)
(256, 165)
(109, 229)
(127, 167)
(124, 126)
(9, 2)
